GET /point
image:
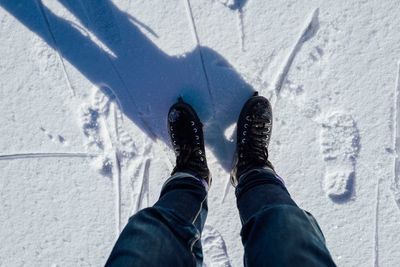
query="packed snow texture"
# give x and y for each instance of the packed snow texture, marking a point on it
(85, 89)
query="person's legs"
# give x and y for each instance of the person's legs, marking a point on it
(168, 233)
(276, 232)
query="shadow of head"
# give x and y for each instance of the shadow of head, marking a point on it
(113, 50)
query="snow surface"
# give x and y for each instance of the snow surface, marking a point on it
(85, 87)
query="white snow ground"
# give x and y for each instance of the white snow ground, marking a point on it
(85, 87)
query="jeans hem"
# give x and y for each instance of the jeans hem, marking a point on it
(182, 175)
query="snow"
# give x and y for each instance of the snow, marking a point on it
(85, 89)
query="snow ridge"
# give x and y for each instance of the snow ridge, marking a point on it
(214, 248)
(308, 32)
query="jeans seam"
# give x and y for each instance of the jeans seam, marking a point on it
(197, 235)
(199, 211)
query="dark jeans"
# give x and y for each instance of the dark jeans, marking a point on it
(276, 232)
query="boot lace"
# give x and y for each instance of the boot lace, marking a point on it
(189, 157)
(253, 147)
(189, 154)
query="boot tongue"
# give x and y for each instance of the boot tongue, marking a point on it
(181, 124)
(184, 155)
(187, 161)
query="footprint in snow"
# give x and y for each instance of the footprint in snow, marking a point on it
(102, 125)
(340, 144)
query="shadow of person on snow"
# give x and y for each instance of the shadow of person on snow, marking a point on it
(145, 80)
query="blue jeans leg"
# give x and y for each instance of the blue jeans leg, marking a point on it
(276, 232)
(167, 234)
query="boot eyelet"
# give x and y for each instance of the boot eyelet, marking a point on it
(192, 123)
(201, 159)
(172, 135)
(243, 140)
(195, 130)
(197, 137)
(174, 142)
(246, 125)
(248, 118)
(200, 152)
(244, 132)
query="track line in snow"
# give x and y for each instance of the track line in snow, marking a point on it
(135, 184)
(240, 16)
(311, 27)
(118, 166)
(115, 120)
(46, 20)
(189, 13)
(118, 191)
(105, 105)
(144, 187)
(197, 40)
(46, 155)
(113, 107)
(396, 128)
(376, 228)
(115, 177)
(237, 7)
(113, 144)
(140, 185)
(142, 25)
